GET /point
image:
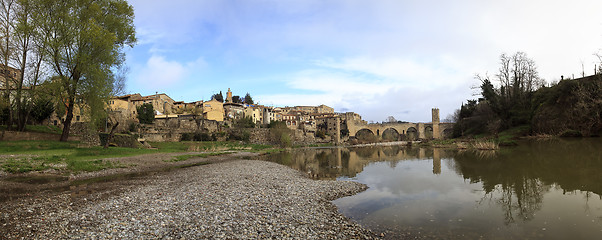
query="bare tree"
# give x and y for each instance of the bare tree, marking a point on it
(391, 119)
(518, 77)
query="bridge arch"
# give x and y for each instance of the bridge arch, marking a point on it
(390, 134)
(365, 134)
(412, 134)
(428, 132)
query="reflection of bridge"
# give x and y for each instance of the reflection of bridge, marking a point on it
(402, 131)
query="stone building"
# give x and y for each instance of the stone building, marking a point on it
(162, 104)
(233, 111)
(213, 110)
(12, 73)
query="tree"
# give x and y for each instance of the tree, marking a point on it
(518, 77)
(28, 58)
(146, 113)
(236, 99)
(391, 119)
(246, 122)
(248, 99)
(7, 22)
(83, 42)
(41, 109)
(218, 97)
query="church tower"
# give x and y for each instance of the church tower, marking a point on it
(229, 96)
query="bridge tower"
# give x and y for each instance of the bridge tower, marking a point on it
(337, 134)
(436, 132)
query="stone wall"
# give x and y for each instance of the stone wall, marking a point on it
(263, 136)
(21, 136)
(171, 129)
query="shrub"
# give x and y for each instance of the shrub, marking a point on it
(186, 137)
(201, 136)
(571, 133)
(321, 134)
(239, 135)
(146, 113)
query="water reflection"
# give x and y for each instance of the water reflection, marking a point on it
(330, 163)
(539, 190)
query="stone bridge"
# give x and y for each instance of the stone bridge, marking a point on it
(402, 131)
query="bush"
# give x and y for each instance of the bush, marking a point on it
(239, 135)
(201, 136)
(41, 110)
(571, 133)
(246, 122)
(281, 135)
(186, 137)
(146, 113)
(321, 134)
(133, 127)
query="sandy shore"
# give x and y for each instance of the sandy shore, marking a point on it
(238, 199)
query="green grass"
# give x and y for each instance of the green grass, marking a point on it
(38, 128)
(26, 156)
(507, 137)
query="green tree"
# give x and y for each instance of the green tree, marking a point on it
(236, 99)
(246, 122)
(218, 97)
(41, 109)
(146, 113)
(248, 99)
(7, 23)
(83, 44)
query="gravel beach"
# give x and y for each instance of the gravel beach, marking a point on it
(238, 199)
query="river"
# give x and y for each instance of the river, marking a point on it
(546, 189)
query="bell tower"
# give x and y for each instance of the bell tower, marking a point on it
(229, 96)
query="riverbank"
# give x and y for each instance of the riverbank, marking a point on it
(236, 199)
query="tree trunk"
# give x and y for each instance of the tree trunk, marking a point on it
(110, 137)
(68, 119)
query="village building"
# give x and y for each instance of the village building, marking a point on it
(233, 111)
(162, 104)
(213, 110)
(12, 73)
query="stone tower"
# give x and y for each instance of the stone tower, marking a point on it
(436, 133)
(229, 96)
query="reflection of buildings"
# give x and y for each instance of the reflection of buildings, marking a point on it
(335, 162)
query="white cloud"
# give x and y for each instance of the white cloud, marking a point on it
(159, 73)
(377, 88)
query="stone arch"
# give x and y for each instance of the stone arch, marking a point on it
(448, 133)
(412, 134)
(365, 135)
(390, 134)
(428, 132)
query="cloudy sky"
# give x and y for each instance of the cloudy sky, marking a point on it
(378, 58)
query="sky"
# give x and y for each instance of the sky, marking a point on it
(378, 58)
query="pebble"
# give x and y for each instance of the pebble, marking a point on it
(239, 199)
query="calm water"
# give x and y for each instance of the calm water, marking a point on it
(538, 190)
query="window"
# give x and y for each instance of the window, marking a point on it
(77, 118)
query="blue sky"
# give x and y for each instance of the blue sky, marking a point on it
(378, 58)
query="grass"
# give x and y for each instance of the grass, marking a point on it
(507, 137)
(38, 128)
(27, 156)
(485, 145)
